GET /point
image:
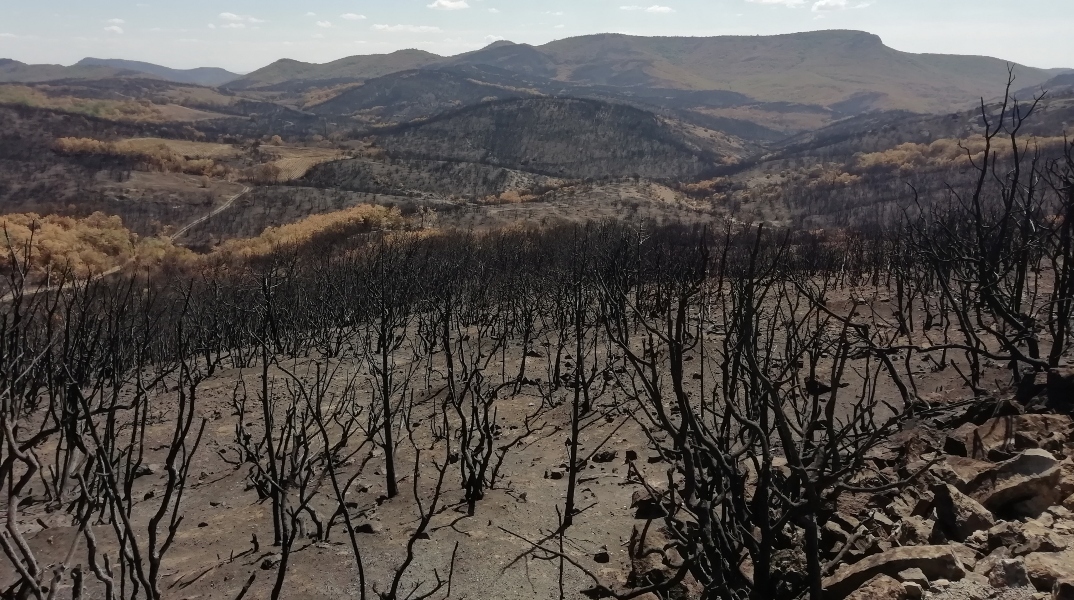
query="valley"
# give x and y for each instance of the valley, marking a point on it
(739, 317)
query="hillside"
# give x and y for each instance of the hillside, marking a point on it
(293, 73)
(402, 97)
(847, 72)
(13, 71)
(201, 76)
(842, 69)
(561, 137)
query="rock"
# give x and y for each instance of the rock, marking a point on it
(880, 587)
(271, 562)
(959, 471)
(935, 562)
(1003, 437)
(606, 456)
(1008, 573)
(1035, 537)
(631, 456)
(1004, 535)
(914, 591)
(1033, 476)
(1045, 568)
(366, 528)
(648, 506)
(915, 531)
(1063, 590)
(966, 555)
(913, 576)
(602, 558)
(958, 515)
(555, 474)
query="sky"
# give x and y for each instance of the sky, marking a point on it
(244, 35)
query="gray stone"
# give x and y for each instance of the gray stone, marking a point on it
(1032, 475)
(958, 515)
(935, 562)
(1008, 573)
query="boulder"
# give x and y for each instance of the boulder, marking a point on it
(959, 471)
(1003, 437)
(1033, 475)
(913, 576)
(1045, 568)
(1063, 590)
(958, 515)
(936, 562)
(914, 591)
(880, 587)
(916, 531)
(1008, 573)
(647, 505)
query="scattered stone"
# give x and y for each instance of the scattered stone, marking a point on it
(881, 587)
(1046, 568)
(602, 557)
(366, 528)
(606, 456)
(554, 474)
(958, 515)
(271, 562)
(913, 590)
(647, 506)
(914, 576)
(1031, 476)
(1003, 437)
(631, 456)
(935, 562)
(1007, 573)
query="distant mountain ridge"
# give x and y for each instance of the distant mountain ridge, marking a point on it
(843, 70)
(13, 71)
(209, 76)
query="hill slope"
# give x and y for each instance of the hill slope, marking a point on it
(292, 73)
(561, 137)
(848, 72)
(829, 68)
(19, 72)
(202, 76)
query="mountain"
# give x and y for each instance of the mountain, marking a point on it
(828, 68)
(848, 72)
(287, 73)
(13, 71)
(419, 93)
(559, 137)
(202, 76)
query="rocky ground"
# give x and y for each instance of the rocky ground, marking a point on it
(990, 516)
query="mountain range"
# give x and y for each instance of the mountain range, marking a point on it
(752, 87)
(843, 70)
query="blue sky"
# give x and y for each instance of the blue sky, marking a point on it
(243, 35)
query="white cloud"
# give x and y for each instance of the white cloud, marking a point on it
(654, 9)
(831, 5)
(311, 14)
(7, 35)
(494, 11)
(790, 3)
(407, 28)
(325, 24)
(114, 29)
(234, 26)
(449, 5)
(351, 17)
(115, 21)
(234, 18)
(494, 38)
